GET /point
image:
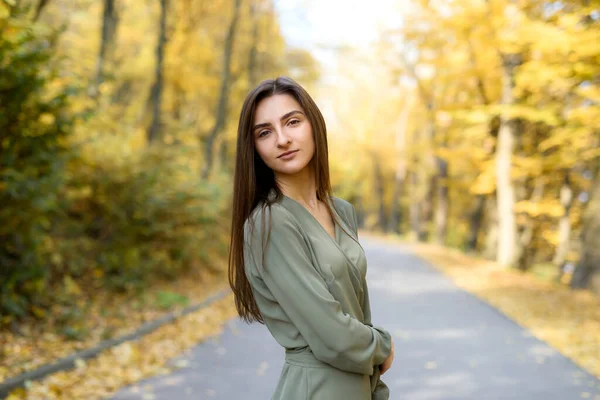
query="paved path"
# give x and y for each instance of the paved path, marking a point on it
(449, 345)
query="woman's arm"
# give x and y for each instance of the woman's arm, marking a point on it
(334, 337)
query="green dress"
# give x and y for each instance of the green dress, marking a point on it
(314, 299)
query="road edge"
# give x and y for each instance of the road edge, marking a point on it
(69, 362)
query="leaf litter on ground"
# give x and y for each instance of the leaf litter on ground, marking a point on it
(111, 316)
(132, 361)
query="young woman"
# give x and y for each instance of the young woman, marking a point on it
(295, 263)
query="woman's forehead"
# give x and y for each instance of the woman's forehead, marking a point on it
(274, 107)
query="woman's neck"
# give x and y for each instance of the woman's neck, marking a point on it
(301, 187)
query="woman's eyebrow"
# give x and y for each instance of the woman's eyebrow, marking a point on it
(284, 116)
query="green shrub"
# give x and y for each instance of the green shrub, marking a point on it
(137, 216)
(79, 218)
(34, 125)
(166, 300)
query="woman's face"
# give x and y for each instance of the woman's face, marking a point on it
(280, 126)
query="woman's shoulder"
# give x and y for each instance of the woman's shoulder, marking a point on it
(274, 213)
(343, 205)
(346, 210)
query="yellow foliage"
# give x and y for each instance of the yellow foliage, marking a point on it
(548, 207)
(4, 10)
(590, 92)
(527, 165)
(47, 119)
(486, 180)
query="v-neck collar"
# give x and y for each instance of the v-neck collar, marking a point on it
(289, 202)
(336, 228)
(354, 269)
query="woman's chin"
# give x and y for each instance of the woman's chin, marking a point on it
(290, 169)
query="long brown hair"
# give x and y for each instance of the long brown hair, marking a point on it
(253, 180)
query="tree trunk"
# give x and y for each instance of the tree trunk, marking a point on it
(224, 155)
(564, 226)
(109, 28)
(428, 98)
(222, 107)
(427, 208)
(38, 10)
(155, 99)
(490, 251)
(395, 210)
(360, 211)
(401, 169)
(252, 67)
(441, 211)
(415, 207)
(523, 250)
(587, 272)
(478, 215)
(475, 222)
(507, 224)
(379, 194)
(429, 213)
(476, 218)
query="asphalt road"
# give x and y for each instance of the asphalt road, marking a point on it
(448, 345)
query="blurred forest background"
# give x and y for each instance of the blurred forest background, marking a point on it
(472, 123)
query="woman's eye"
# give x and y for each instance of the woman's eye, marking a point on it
(261, 134)
(294, 120)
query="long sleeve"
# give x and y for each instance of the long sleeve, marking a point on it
(381, 390)
(334, 337)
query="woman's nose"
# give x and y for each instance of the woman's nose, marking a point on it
(282, 138)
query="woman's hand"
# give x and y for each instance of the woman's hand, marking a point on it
(387, 363)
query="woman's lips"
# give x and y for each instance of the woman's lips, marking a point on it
(289, 155)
